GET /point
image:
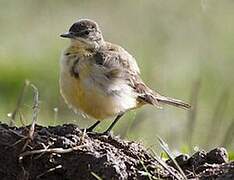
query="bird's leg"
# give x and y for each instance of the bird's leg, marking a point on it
(90, 129)
(107, 132)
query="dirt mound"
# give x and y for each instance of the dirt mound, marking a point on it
(66, 153)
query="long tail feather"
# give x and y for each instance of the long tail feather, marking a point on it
(173, 102)
(146, 95)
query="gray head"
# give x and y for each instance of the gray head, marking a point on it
(86, 31)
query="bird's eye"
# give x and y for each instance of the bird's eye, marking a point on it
(86, 32)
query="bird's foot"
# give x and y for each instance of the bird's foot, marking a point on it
(105, 133)
(90, 131)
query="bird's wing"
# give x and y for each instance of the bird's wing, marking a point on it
(114, 56)
(118, 64)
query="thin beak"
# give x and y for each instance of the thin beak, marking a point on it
(67, 35)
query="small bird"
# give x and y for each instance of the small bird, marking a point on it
(101, 79)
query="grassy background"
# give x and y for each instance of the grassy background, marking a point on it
(176, 43)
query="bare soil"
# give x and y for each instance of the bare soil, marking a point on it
(67, 153)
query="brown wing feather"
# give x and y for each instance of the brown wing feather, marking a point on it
(120, 64)
(120, 57)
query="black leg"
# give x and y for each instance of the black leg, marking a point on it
(113, 123)
(90, 129)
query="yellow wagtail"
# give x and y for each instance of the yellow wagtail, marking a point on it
(101, 79)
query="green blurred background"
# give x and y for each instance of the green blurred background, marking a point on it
(177, 45)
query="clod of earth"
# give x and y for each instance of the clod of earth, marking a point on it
(66, 153)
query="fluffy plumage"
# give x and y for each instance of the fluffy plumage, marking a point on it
(101, 79)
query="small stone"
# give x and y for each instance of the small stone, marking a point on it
(182, 159)
(217, 156)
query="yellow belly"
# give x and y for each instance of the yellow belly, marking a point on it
(92, 101)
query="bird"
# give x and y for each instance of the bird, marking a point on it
(101, 79)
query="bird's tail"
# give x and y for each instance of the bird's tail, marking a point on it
(146, 95)
(172, 101)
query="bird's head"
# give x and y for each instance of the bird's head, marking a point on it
(85, 32)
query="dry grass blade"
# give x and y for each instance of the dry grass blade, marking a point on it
(36, 110)
(193, 112)
(147, 173)
(164, 146)
(52, 150)
(22, 120)
(49, 171)
(164, 165)
(96, 176)
(19, 102)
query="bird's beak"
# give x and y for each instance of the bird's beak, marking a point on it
(67, 35)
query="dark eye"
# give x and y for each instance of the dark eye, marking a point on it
(86, 32)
